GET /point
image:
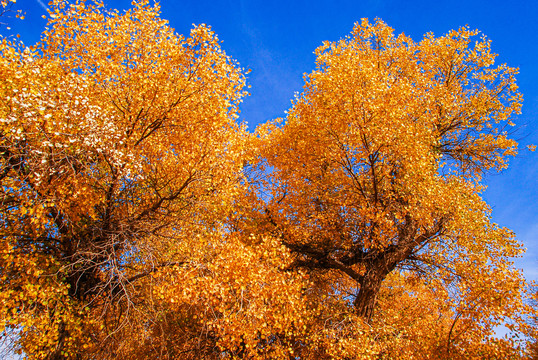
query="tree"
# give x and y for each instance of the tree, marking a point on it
(378, 169)
(119, 147)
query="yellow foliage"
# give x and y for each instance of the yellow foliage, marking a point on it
(376, 172)
(119, 145)
(139, 220)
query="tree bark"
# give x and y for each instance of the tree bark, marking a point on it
(366, 299)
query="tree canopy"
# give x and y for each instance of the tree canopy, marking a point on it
(139, 219)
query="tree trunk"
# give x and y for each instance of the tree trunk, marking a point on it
(366, 298)
(62, 335)
(377, 271)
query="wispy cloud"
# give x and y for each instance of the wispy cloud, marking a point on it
(42, 4)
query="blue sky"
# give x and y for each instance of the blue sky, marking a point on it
(276, 39)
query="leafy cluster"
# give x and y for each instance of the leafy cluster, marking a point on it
(140, 220)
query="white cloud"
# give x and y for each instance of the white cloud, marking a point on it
(42, 4)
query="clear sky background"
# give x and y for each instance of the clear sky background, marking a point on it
(276, 39)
